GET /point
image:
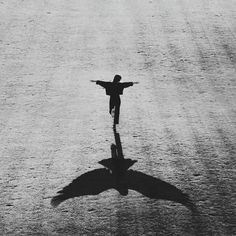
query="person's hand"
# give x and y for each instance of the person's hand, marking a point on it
(135, 82)
(93, 80)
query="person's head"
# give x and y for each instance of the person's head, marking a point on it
(116, 79)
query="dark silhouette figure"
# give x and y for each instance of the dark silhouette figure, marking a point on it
(114, 90)
(117, 176)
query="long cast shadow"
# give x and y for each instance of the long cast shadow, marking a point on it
(116, 175)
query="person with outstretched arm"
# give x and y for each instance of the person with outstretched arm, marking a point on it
(114, 89)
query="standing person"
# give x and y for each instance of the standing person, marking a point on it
(114, 89)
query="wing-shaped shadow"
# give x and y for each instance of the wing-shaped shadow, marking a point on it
(117, 176)
(90, 183)
(156, 189)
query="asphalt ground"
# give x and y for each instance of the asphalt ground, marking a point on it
(178, 123)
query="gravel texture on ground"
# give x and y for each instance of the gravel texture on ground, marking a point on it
(179, 122)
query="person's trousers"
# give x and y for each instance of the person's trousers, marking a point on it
(115, 103)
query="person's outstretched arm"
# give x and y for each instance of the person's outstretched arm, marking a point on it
(101, 83)
(128, 84)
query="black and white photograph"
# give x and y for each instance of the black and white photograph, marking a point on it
(118, 117)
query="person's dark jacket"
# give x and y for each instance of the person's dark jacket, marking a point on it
(114, 88)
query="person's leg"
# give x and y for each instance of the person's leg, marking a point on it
(117, 113)
(111, 104)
